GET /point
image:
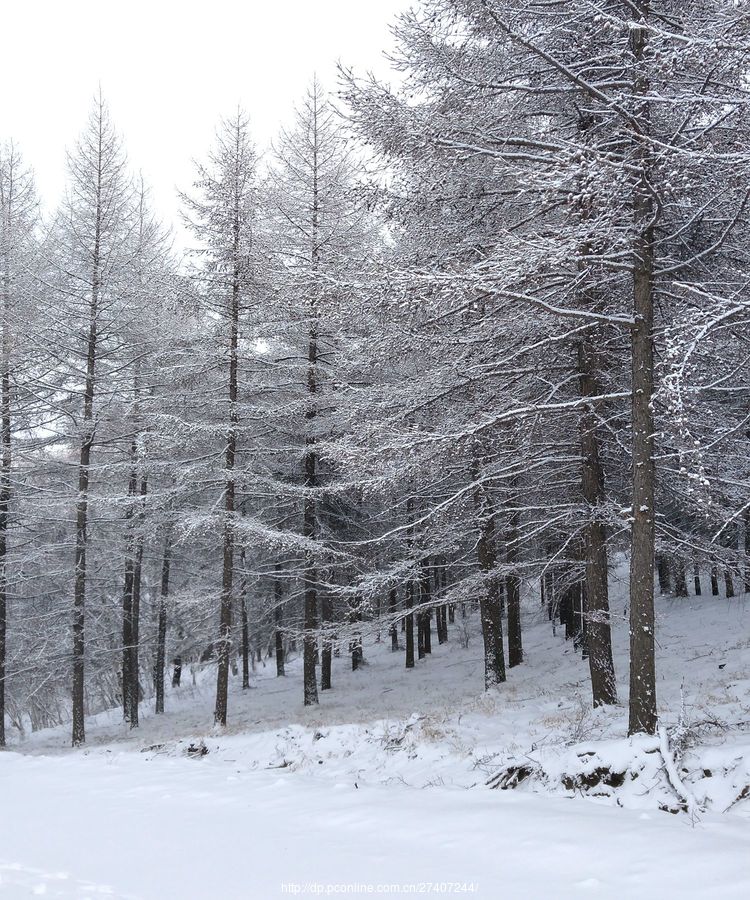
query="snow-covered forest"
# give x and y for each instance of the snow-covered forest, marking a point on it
(418, 449)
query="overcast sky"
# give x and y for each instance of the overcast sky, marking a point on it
(169, 69)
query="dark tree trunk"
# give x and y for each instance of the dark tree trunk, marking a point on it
(426, 598)
(309, 649)
(642, 711)
(278, 614)
(728, 583)
(309, 645)
(489, 600)
(441, 611)
(134, 687)
(161, 637)
(357, 654)
(177, 671)
(513, 593)
(441, 621)
(82, 503)
(409, 593)
(664, 573)
(245, 626)
(489, 606)
(127, 591)
(392, 607)
(714, 580)
(223, 648)
(598, 637)
(409, 624)
(697, 580)
(680, 579)
(420, 627)
(326, 660)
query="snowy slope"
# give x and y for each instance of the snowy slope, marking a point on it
(385, 783)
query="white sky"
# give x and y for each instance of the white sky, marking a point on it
(169, 70)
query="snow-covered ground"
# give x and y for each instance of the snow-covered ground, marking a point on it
(382, 789)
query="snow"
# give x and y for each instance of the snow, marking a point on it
(382, 789)
(125, 825)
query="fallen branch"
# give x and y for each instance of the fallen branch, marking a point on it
(682, 792)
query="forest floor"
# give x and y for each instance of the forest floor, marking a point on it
(382, 790)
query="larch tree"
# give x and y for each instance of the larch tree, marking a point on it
(92, 232)
(18, 220)
(320, 231)
(221, 216)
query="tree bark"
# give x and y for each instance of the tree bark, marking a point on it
(426, 592)
(680, 579)
(489, 599)
(308, 530)
(278, 615)
(133, 678)
(597, 621)
(223, 648)
(513, 593)
(409, 623)
(714, 580)
(84, 463)
(245, 626)
(642, 711)
(326, 657)
(161, 637)
(664, 573)
(127, 591)
(392, 607)
(409, 591)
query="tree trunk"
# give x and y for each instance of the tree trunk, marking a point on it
(223, 648)
(680, 579)
(489, 602)
(728, 583)
(392, 607)
(697, 580)
(597, 622)
(326, 657)
(177, 671)
(133, 675)
(513, 593)
(664, 573)
(161, 637)
(714, 580)
(409, 624)
(409, 592)
(82, 502)
(309, 648)
(127, 591)
(642, 712)
(426, 598)
(278, 615)
(245, 626)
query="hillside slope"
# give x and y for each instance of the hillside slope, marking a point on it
(385, 782)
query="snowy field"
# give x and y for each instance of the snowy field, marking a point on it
(382, 790)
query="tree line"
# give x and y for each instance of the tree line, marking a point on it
(441, 352)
